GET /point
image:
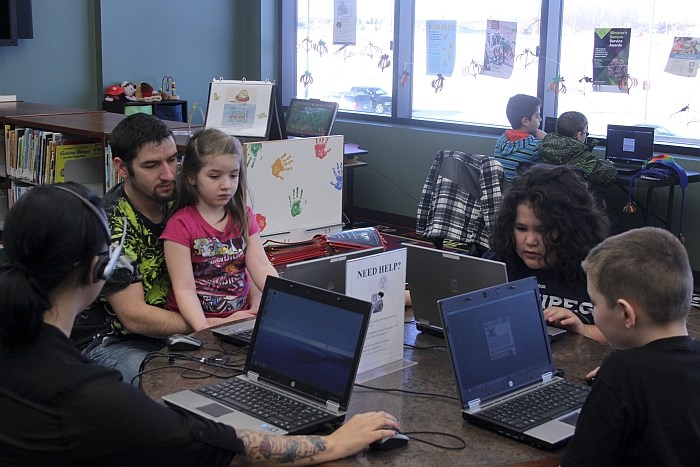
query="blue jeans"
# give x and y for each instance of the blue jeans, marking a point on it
(122, 353)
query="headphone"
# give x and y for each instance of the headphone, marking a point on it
(106, 261)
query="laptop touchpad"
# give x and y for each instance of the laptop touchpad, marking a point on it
(215, 410)
(570, 419)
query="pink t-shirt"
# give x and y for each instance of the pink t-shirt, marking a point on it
(218, 261)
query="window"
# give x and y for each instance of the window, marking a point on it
(668, 102)
(356, 73)
(469, 95)
(553, 48)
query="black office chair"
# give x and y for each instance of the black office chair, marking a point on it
(460, 199)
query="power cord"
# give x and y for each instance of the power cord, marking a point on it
(411, 434)
(406, 391)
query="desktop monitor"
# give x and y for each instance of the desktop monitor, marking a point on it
(310, 117)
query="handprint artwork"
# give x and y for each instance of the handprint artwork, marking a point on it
(261, 220)
(295, 201)
(320, 147)
(254, 150)
(338, 174)
(282, 164)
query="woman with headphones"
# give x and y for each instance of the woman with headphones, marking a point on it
(58, 407)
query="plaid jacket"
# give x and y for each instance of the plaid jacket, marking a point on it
(460, 198)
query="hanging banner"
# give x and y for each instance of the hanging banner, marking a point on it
(345, 22)
(499, 53)
(441, 37)
(611, 51)
(684, 57)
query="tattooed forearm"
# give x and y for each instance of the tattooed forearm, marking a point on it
(282, 449)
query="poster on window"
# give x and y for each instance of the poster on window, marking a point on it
(441, 37)
(611, 52)
(500, 48)
(345, 22)
(684, 57)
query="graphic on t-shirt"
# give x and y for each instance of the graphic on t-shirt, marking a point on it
(220, 275)
(499, 337)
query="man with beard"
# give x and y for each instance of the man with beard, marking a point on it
(129, 318)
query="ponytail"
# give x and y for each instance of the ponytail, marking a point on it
(23, 305)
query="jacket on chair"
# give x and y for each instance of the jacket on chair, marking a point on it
(460, 198)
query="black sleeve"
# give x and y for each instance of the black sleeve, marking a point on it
(135, 430)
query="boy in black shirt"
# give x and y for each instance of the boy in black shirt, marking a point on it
(644, 408)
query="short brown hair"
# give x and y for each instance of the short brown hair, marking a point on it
(648, 267)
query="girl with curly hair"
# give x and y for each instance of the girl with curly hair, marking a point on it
(547, 223)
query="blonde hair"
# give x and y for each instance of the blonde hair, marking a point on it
(647, 266)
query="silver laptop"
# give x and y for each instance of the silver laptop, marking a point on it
(306, 348)
(327, 272)
(502, 360)
(238, 333)
(435, 274)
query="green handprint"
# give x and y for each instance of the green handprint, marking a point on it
(295, 201)
(254, 150)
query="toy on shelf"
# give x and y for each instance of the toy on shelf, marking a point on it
(114, 93)
(129, 90)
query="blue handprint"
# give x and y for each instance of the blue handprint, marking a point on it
(338, 174)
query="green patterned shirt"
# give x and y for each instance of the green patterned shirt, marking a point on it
(142, 259)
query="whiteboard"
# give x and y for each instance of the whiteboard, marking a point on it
(296, 186)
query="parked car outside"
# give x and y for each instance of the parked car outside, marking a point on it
(381, 100)
(358, 102)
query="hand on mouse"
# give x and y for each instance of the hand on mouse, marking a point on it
(362, 430)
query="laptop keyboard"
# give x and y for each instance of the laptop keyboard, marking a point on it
(539, 405)
(262, 403)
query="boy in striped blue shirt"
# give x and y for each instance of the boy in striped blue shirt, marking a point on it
(519, 147)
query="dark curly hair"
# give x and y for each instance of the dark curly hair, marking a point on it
(572, 219)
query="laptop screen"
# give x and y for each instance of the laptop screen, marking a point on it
(633, 144)
(498, 339)
(328, 272)
(550, 124)
(308, 339)
(310, 117)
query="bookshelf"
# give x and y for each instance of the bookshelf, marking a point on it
(29, 164)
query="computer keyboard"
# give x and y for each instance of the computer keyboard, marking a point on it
(542, 404)
(263, 403)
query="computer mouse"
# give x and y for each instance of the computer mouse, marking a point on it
(399, 440)
(182, 342)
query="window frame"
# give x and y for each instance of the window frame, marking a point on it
(551, 20)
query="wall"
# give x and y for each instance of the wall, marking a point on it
(58, 66)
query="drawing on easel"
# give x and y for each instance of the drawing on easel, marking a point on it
(247, 109)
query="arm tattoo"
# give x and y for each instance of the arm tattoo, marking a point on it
(284, 449)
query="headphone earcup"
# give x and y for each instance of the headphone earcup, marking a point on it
(99, 269)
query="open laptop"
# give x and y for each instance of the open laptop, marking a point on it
(327, 272)
(306, 347)
(310, 117)
(435, 274)
(499, 349)
(550, 124)
(628, 147)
